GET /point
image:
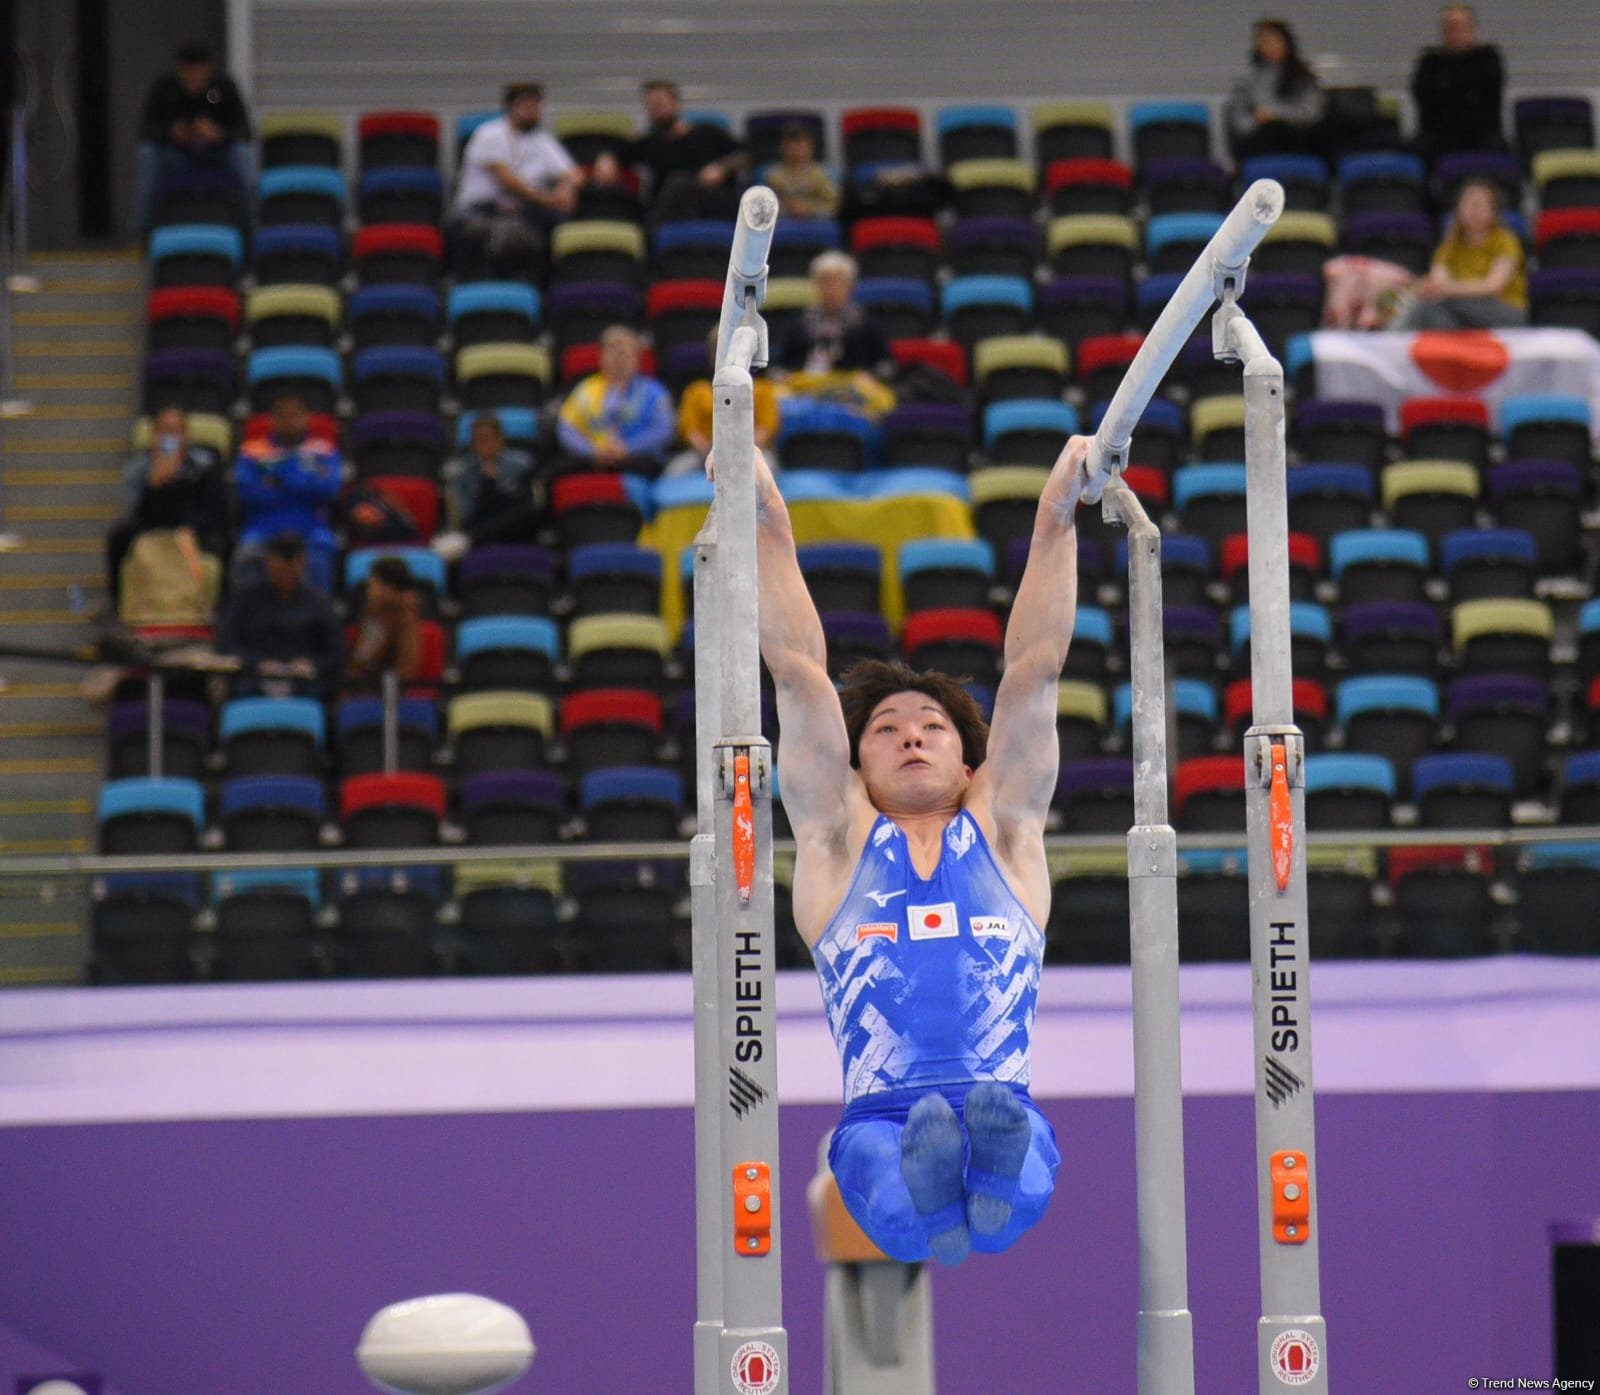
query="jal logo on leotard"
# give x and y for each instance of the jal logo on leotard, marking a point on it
(993, 925)
(933, 922)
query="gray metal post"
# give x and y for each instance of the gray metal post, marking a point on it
(1166, 1327)
(1165, 1331)
(1291, 1335)
(741, 1082)
(391, 722)
(155, 733)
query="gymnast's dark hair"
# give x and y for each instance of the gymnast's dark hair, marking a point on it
(867, 683)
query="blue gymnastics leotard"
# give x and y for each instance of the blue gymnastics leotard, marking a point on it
(929, 984)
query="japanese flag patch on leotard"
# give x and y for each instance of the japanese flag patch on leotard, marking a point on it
(933, 922)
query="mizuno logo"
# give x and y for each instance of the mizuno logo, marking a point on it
(1281, 1082)
(882, 898)
(743, 1093)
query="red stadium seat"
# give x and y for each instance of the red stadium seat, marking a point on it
(580, 360)
(1208, 793)
(192, 317)
(941, 355)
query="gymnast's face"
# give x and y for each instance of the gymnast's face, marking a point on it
(910, 756)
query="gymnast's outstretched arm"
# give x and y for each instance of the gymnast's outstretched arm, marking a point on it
(814, 772)
(1018, 775)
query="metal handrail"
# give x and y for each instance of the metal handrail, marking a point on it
(101, 865)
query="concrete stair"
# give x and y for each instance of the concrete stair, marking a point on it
(79, 342)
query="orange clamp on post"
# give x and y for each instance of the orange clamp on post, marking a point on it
(752, 1209)
(1291, 1198)
(744, 831)
(1282, 812)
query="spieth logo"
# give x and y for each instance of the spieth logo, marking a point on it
(933, 922)
(1294, 1357)
(755, 1369)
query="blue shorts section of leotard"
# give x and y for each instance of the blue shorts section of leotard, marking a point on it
(865, 1158)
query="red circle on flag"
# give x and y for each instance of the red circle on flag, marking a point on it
(1460, 360)
(931, 920)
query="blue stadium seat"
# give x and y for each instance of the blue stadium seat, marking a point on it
(903, 306)
(797, 242)
(1547, 426)
(272, 735)
(1383, 182)
(297, 254)
(520, 425)
(1558, 887)
(393, 316)
(1304, 178)
(1348, 789)
(1027, 431)
(401, 194)
(1169, 130)
(493, 312)
(1378, 564)
(272, 813)
(974, 308)
(940, 573)
(1194, 706)
(358, 735)
(1173, 240)
(1329, 499)
(507, 651)
(976, 132)
(195, 254)
(1481, 562)
(1310, 631)
(696, 249)
(1504, 714)
(1454, 790)
(817, 435)
(306, 194)
(1209, 499)
(841, 576)
(630, 803)
(614, 578)
(402, 378)
(427, 568)
(316, 375)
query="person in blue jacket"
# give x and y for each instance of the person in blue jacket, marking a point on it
(286, 482)
(921, 888)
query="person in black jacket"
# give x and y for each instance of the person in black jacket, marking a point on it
(194, 118)
(1458, 87)
(172, 485)
(282, 628)
(835, 335)
(693, 170)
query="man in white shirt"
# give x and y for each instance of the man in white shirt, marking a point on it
(516, 182)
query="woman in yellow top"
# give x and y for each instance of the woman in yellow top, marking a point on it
(1477, 279)
(694, 419)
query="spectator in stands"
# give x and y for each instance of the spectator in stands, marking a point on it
(517, 182)
(491, 492)
(194, 118)
(835, 334)
(835, 350)
(389, 634)
(1477, 279)
(281, 628)
(174, 486)
(694, 418)
(693, 169)
(286, 482)
(1273, 110)
(618, 418)
(1458, 88)
(804, 188)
